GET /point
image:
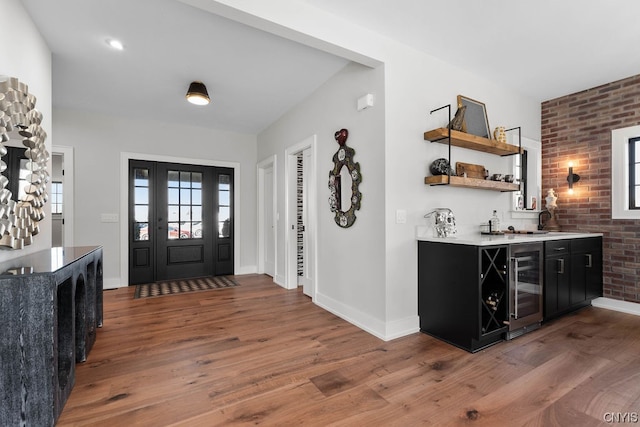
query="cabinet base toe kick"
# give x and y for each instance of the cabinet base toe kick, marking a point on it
(521, 331)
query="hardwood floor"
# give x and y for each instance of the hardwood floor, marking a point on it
(259, 354)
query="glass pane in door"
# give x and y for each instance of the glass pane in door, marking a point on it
(224, 206)
(184, 205)
(529, 283)
(141, 204)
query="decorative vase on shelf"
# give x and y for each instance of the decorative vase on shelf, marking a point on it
(500, 135)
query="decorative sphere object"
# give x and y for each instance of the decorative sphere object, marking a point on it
(440, 167)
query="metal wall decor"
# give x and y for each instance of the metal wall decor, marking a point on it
(21, 213)
(344, 168)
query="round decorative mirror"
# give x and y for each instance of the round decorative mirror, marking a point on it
(23, 164)
(345, 174)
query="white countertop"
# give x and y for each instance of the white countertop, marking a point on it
(478, 239)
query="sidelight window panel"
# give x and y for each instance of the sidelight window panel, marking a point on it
(141, 204)
(223, 213)
(141, 195)
(224, 198)
(224, 206)
(141, 213)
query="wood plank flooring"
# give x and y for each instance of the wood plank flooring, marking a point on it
(257, 354)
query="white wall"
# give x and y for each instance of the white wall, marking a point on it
(414, 84)
(25, 55)
(417, 83)
(98, 142)
(350, 278)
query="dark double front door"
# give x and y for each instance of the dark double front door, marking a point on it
(180, 221)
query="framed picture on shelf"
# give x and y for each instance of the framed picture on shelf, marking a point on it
(475, 117)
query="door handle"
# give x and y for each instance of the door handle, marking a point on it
(561, 266)
(514, 261)
(589, 261)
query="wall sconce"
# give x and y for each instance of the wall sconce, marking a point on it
(572, 177)
(197, 94)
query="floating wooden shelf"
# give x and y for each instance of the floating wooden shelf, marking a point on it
(459, 181)
(471, 142)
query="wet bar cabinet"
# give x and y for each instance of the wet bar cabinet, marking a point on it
(50, 309)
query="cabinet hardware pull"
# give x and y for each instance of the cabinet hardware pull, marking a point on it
(589, 261)
(561, 266)
(514, 261)
(559, 249)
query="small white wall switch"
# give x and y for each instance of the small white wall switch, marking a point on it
(401, 216)
(106, 217)
(365, 101)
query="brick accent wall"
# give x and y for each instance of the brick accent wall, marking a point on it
(577, 128)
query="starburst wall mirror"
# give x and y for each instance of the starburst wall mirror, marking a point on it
(23, 164)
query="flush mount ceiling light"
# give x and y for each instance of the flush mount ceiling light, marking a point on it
(197, 94)
(115, 44)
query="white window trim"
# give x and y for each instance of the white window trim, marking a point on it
(620, 173)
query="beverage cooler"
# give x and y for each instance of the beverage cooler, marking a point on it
(525, 288)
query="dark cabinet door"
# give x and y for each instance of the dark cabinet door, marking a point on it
(573, 274)
(557, 277)
(594, 275)
(556, 285)
(579, 274)
(586, 273)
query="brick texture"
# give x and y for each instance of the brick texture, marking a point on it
(577, 128)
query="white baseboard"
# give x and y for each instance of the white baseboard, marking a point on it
(362, 320)
(617, 305)
(247, 269)
(402, 327)
(112, 283)
(386, 331)
(279, 280)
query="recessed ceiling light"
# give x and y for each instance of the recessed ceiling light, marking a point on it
(115, 44)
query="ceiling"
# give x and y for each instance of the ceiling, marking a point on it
(542, 48)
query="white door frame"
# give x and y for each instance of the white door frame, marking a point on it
(290, 232)
(67, 191)
(270, 162)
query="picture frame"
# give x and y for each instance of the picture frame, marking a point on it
(475, 117)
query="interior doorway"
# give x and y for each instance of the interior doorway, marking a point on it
(61, 197)
(301, 230)
(267, 217)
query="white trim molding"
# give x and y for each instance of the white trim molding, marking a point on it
(617, 305)
(620, 173)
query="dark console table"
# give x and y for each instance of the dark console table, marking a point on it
(50, 308)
